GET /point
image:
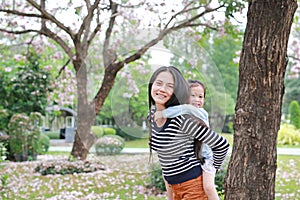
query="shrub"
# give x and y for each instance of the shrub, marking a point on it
(288, 135)
(4, 119)
(18, 129)
(131, 133)
(109, 145)
(45, 143)
(3, 151)
(34, 134)
(220, 176)
(67, 167)
(109, 131)
(25, 136)
(98, 131)
(4, 140)
(52, 135)
(155, 177)
(294, 111)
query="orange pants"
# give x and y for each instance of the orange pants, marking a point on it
(189, 190)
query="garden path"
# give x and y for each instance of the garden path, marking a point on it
(61, 145)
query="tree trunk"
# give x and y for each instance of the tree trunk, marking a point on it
(86, 114)
(252, 168)
(87, 111)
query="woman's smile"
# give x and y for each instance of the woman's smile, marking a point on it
(162, 89)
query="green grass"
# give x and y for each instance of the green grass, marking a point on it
(143, 143)
(288, 177)
(140, 143)
(126, 177)
(288, 146)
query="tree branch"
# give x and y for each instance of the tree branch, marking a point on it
(106, 57)
(294, 57)
(18, 13)
(87, 20)
(52, 18)
(19, 32)
(97, 28)
(94, 33)
(163, 33)
(63, 68)
(47, 32)
(188, 22)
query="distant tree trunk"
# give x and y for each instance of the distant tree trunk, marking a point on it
(84, 138)
(88, 110)
(252, 168)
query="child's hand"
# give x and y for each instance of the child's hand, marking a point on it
(158, 115)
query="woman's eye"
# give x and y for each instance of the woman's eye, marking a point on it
(158, 83)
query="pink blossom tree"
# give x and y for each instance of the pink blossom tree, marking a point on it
(77, 25)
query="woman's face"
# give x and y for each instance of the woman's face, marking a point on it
(162, 89)
(197, 96)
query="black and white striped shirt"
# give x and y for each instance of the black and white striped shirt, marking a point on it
(174, 144)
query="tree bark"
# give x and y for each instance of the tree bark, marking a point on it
(84, 138)
(252, 168)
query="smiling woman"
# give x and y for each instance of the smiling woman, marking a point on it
(173, 139)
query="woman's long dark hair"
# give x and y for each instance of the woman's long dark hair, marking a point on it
(181, 88)
(198, 144)
(180, 95)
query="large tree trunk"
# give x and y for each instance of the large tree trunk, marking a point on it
(88, 110)
(86, 114)
(252, 168)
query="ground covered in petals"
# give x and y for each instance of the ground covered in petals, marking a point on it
(118, 177)
(123, 177)
(288, 178)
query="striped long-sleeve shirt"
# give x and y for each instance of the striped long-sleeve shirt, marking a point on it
(174, 144)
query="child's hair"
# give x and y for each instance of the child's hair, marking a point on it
(195, 83)
(197, 143)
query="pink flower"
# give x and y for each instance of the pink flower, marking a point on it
(19, 57)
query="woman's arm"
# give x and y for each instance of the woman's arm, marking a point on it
(218, 144)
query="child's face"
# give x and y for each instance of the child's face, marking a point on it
(197, 96)
(162, 89)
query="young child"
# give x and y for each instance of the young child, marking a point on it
(197, 96)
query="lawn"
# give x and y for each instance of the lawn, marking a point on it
(143, 143)
(125, 177)
(288, 177)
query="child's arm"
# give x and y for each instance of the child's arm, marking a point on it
(208, 166)
(208, 173)
(209, 186)
(175, 111)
